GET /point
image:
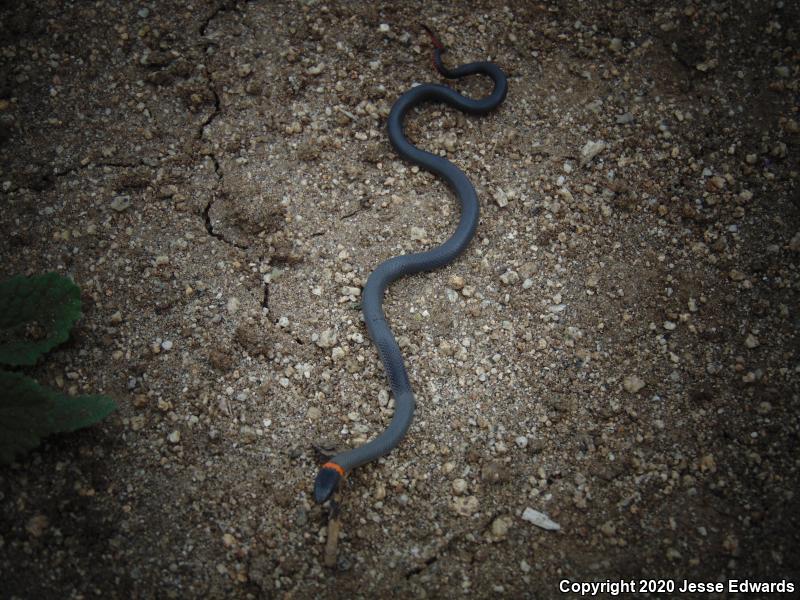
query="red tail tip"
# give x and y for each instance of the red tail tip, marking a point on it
(434, 40)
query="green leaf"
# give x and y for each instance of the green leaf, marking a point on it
(24, 410)
(36, 314)
(29, 412)
(76, 412)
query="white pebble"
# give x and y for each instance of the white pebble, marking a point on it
(590, 150)
(540, 519)
(327, 339)
(349, 290)
(633, 383)
(456, 282)
(418, 234)
(509, 277)
(501, 198)
(459, 486)
(316, 70)
(500, 527)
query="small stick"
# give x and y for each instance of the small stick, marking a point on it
(334, 527)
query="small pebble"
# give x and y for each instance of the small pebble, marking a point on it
(349, 290)
(509, 277)
(500, 197)
(500, 527)
(633, 383)
(120, 203)
(327, 339)
(466, 506)
(708, 463)
(590, 150)
(540, 519)
(608, 529)
(736, 275)
(380, 492)
(456, 282)
(459, 486)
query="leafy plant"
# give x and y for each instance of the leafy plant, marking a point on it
(36, 314)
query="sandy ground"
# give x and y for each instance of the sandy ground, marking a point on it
(618, 348)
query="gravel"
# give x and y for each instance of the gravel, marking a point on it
(217, 179)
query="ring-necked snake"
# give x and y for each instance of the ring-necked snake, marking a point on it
(334, 470)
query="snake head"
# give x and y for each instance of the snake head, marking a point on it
(327, 481)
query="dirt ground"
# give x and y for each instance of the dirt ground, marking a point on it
(617, 349)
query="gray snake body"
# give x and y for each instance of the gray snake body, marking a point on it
(331, 472)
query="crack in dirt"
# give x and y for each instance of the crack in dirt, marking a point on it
(221, 7)
(201, 133)
(443, 548)
(351, 214)
(214, 113)
(427, 562)
(210, 228)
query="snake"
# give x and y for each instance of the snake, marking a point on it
(339, 466)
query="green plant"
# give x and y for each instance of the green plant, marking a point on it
(36, 314)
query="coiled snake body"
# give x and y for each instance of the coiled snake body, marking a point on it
(331, 472)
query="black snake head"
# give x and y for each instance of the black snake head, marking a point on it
(327, 481)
